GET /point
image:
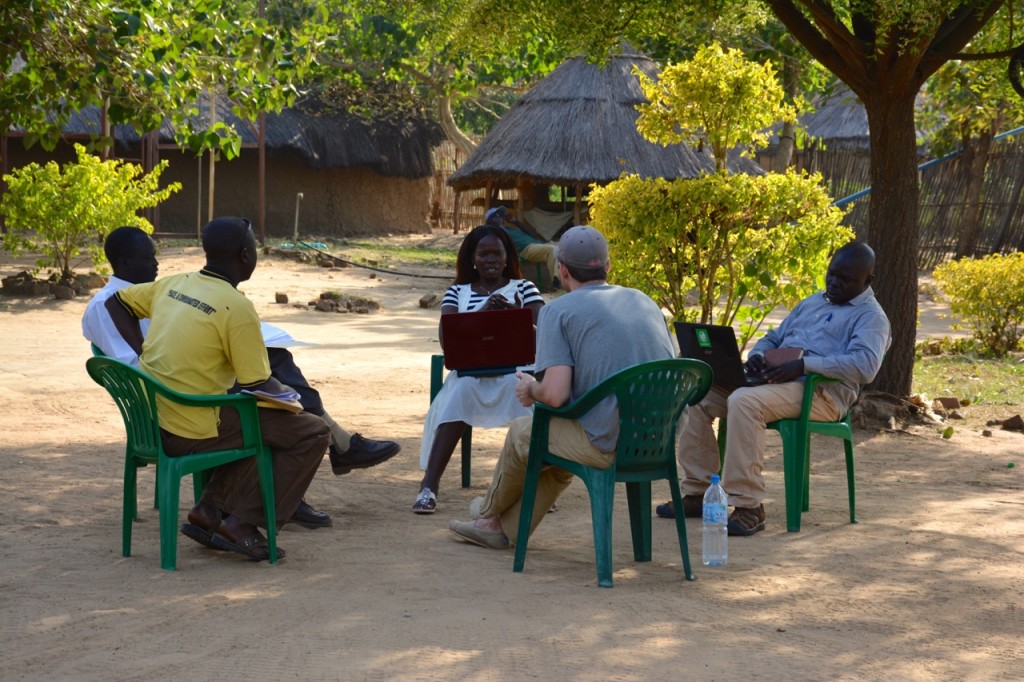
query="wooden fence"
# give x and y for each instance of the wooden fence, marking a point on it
(943, 206)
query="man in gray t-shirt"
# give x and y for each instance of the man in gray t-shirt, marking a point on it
(582, 338)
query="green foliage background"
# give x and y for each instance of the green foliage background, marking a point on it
(988, 294)
(720, 248)
(66, 212)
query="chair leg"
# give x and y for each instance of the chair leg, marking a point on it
(723, 430)
(265, 469)
(156, 487)
(129, 511)
(793, 459)
(638, 495)
(529, 498)
(467, 446)
(199, 481)
(168, 494)
(848, 443)
(684, 549)
(601, 486)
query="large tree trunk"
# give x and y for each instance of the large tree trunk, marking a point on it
(893, 230)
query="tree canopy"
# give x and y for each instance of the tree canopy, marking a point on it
(884, 50)
(147, 60)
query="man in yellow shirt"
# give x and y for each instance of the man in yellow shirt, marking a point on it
(203, 336)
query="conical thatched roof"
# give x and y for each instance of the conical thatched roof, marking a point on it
(841, 121)
(839, 118)
(579, 125)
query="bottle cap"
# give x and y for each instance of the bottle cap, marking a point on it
(715, 479)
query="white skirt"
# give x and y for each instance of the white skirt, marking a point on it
(484, 402)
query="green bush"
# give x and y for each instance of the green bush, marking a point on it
(720, 248)
(988, 295)
(65, 213)
(743, 245)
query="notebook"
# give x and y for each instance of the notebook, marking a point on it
(717, 346)
(488, 342)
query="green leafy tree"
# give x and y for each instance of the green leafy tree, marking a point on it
(883, 50)
(65, 213)
(718, 98)
(422, 54)
(147, 60)
(721, 248)
(743, 244)
(970, 102)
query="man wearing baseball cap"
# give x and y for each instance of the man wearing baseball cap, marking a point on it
(583, 338)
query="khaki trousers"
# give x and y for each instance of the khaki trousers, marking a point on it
(566, 438)
(748, 410)
(297, 442)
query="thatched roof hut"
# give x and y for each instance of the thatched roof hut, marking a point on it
(356, 176)
(575, 127)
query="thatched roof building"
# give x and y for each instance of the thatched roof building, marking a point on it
(575, 127)
(356, 176)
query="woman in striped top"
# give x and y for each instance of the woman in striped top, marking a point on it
(487, 277)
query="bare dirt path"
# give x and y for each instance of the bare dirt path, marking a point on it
(926, 587)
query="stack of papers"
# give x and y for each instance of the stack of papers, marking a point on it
(287, 400)
(275, 337)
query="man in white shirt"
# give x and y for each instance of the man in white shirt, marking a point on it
(132, 255)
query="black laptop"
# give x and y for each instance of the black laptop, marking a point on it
(717, 346)
(488, 342)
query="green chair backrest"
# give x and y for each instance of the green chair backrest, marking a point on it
(650, 397)
(134, 393)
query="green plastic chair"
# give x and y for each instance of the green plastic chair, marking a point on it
(796, 453)
(135, 395)
(436, 381)
(650, 396)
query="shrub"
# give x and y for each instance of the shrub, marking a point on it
(63, 213)
(988, 295)
(742, 244)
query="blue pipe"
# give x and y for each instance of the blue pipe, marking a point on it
(926, 164)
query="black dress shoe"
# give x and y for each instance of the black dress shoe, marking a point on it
(362, 453)
(307, 517)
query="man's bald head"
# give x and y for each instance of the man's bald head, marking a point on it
(850, 272)
(230, 246)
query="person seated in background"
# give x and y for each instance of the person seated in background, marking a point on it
(132, 256)
(487, 277)
(529, 245)
(204, 336)
(844, 334)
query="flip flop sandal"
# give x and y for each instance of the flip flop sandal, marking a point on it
(253, 547)
(426, 502)
(200, 535)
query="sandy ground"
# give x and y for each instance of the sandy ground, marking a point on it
(926, 587)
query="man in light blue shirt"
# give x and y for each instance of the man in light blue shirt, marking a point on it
(844, 334)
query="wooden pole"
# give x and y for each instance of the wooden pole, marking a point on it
(213, 159)
(262, 190)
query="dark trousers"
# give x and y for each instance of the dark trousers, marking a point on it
(284, 369)
(297, 441)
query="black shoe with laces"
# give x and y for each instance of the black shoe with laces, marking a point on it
(307, 517)
(362, 453)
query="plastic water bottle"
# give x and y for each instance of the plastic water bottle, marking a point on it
(716, 518)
